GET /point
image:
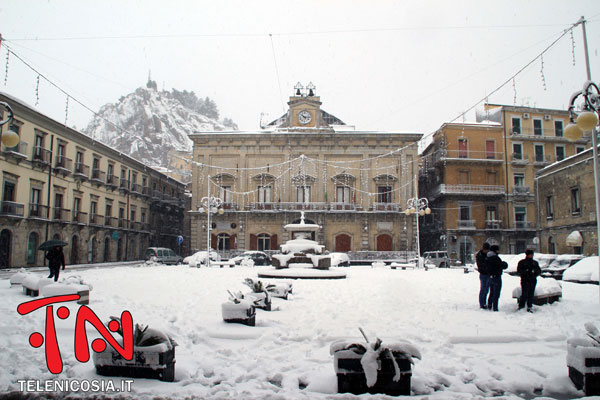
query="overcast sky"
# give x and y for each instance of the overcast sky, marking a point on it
(378, 65)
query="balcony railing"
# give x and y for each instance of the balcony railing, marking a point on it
(302, 206)
(80, 217)
(146, 191)
(81, 170)
(38, 211)
(110, 221)
(488, 190)
(466, 224)
(122, 223)
(469, 155)
(157, 195)
(263, 206)
(523, 225)
(10, 208)
(61, 214)
(112, 181)
(124, 184)
(493, 224)
(342, 206)
(96, 219)
(19, 151)
(541, 159)
(521, 190)
(136, 188)
(98, 176)
(40, 155)
(63, 163)
(386, 207)
(519, 158)
(229, 206)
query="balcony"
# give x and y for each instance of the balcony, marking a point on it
(38, 211)
(466, 224)
(110, 221)
(63, 164)
(146, 191)
(468, 190)
(229, 206)
(122, 223)
(519, 159)
(61, 214)
(543, 135)
(520, 191)
(493, 224)
(98, 176)
(156, 195)
(11, 209)
(313, 206)
(40, 157)
(470, 156)
(136, 226)
(268, 206)
(386, 207)
(112, 182)
(80, 217)
(81, 171)
(523, 225)
(96, 219)
(18, 152)
(541, 160)
(124, 185)
(342, 206)
(136, 189)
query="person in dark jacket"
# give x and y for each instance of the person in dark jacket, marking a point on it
(484, 277)
(55, 258)
(495, 266)
(529, 270)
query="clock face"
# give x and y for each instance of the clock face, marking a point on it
(304, 117)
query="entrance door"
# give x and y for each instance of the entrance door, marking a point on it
(106, 249)
(384, 243)
(5, 245)
(75, 249)
(342, 243)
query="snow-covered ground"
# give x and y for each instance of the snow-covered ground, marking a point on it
(467, 353)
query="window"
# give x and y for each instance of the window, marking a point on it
(551, 245)
(264, 194)
(143, 216)
(521, 217)
(132, 216)
(223, 241)
(109, 171)
(490, 149)
(133, 177)
(144, 181)
(558, 128)
(58, 200)
(463, 177)
(93, 209)
(32, 245)
(96, 164)
(384, 194)
(517, 151)
(60, 155)
(264, 242)
(9, 191)
(539, 152)
(462, 148)
(38, 150)
(225, 193)
(121, 217)
(108, 211)
(342, 194)
(579, 149)
(575, 201)
(465, 212)
(537, 127)
(34, 206)
(491, 213)
(516, 126)
(76, 205)
(78, 160)
(549, 207)
(519, 180)
(560, 153)
(303, 194)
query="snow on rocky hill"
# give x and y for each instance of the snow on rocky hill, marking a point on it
(147, 124)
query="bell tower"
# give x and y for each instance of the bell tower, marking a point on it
(305, 107)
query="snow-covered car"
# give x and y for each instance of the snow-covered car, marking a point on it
(199, 258)
(339, 260)
(560, 264)
(259, 258)
(584, 271)
(163, 255)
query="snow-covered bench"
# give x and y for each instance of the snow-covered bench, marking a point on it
(33, 283)
(583, 360)
(62, 288)
(18, 278)
(547, 291)
(395, 265)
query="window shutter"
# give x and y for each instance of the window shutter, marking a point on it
(233, 241)
(253, 242)
(274, 242)
(213, 241)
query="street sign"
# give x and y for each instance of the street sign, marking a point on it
(180, 239)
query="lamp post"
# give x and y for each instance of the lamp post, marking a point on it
(210, 205)
(586, 120)
(419, 207)
(9, 138)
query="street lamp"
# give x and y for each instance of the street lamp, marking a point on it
(10, 138)
(419, 207)
(210, 205)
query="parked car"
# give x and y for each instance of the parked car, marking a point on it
(560, 265)
(163, 255)
(199, 258)
(339, 260)
(259, 258)
(439, 258)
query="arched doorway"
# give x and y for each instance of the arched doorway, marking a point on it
(343, 242)
(91, 249)
(106, 256)
(74, 250)
(5, 247)
(120, 249)
(384, 242)
(32, 247)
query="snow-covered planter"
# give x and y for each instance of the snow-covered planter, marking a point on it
(547, 291)
(18, 278)
(282, 291)
(153, 357)
(33, 283)
(373, 367)
(239, 310)
(583, 360)
(260, 293)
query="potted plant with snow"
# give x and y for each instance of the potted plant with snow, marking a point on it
(239, 310)
(583, 360)
(260, 292)
(153, 356)
(373, 367)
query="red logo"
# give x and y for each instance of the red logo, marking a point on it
(84, 314)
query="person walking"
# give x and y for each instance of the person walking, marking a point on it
(484, 276)
(56, 259)
(495, 266)
(529, 270)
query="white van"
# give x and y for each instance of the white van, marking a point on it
(439, 258)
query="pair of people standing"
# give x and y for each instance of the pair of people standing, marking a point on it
(490, 268)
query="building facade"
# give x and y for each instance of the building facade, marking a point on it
(354, 184)
(58, 183)
(567, 208)
(481, 178)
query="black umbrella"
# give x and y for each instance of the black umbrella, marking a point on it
(50, 244)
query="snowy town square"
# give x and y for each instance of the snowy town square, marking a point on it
(466, 352)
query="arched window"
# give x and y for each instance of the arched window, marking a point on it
(5, 248)
(223, 241)
(32, 245)
(264, 242)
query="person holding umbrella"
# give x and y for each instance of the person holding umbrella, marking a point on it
(55, 256)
